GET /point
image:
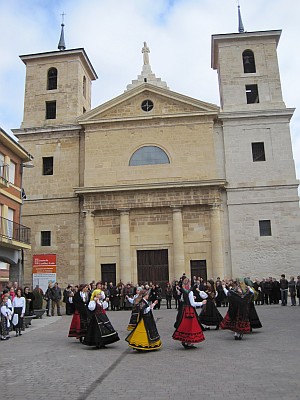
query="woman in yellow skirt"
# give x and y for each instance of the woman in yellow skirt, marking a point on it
(145, 336)
(135, 308)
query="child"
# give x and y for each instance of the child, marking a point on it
(6, 315)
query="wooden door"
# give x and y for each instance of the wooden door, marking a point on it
(108, 273)
(198, 268)
(153, 266)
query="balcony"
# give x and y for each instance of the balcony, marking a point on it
(14, 235)
(4, 175)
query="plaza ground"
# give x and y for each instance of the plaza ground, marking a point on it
(44, 363)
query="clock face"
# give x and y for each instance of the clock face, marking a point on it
(147, 105)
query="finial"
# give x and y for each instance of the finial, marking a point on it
(61, 45)
(145, 51)
(241, 26)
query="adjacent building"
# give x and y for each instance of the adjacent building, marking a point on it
(14, 236)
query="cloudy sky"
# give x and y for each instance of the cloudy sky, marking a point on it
(112, 32)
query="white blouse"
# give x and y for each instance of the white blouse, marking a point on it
(197, 303)
(92, 305)
(19, 302)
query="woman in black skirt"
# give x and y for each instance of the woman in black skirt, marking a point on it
(19, 305)
(210, 315)
(100, 331)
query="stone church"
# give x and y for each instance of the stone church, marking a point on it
(153, 183)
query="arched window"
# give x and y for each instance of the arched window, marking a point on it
(249, 62)
(52, 79)
(84, 86)
(149, 155)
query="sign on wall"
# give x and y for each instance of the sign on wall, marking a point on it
(43, 270)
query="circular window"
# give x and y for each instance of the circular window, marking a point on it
(147, 105)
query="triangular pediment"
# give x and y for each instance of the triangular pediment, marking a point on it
(165, 104)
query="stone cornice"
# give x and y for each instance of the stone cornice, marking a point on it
(253, 114)
(46, 129)
(291, 185)
(220, 183)
(158, 118)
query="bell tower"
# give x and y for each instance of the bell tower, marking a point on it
(261, 194)
(57, 86)
(248, 70)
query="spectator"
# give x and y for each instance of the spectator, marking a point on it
(12, 293)
(276, 291)
(292, 290)
(67, 295)
(169, 294)
(56, 298)
(19, 305)
(298, 288)
(113, 296)
(284, 290)
(29, 296)
(48, 298)
(38, 298)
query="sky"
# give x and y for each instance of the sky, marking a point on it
(178, 33)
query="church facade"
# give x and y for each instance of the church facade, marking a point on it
(154, 183)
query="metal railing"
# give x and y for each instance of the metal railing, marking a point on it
(13, 231)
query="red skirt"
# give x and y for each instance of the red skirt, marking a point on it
(74, 330)
(236, 325)
(189, 329)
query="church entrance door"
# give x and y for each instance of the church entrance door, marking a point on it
(153, 266)
(198, 268)
(108, 273)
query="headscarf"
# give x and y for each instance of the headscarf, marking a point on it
(95, 293)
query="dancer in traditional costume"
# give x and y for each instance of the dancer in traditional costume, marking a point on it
(100, 331)
(80, 320)
(19, 306)
(253, 316)
(145, 336)
(210, 315)
(6, 316)
(188, 328)
(237, 317)
(135, 309)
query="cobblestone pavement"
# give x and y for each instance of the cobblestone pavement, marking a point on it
(44, 363)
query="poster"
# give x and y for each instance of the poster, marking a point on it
(43, 270)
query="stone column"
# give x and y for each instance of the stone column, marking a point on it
(217, 254)
(124, 269)
(89, 248)
(178, 244)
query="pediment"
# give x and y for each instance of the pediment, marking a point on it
(166, 103)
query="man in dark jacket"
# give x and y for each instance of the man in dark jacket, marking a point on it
(56, 298)
(284, 290)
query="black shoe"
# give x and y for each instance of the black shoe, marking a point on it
(217, 328)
